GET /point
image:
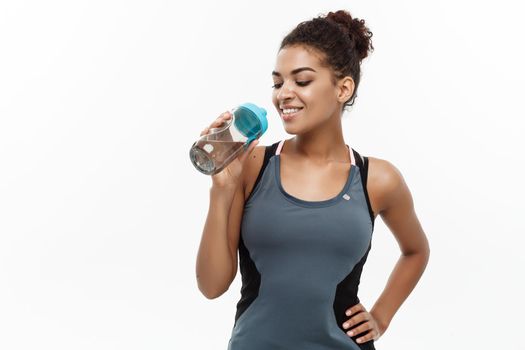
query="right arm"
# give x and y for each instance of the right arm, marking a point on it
(217, 256)
(216, 265)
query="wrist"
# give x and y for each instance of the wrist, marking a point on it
(381, 320)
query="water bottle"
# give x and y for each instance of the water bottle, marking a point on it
(211, 153)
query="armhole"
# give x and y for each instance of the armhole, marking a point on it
(362, 163)
(268, 153)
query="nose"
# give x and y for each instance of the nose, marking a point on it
(285, 92)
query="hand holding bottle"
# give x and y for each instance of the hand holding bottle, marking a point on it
(229, 177)
(229, 138)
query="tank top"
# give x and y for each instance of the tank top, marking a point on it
(301, 262)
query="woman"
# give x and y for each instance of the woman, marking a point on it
(301, 212)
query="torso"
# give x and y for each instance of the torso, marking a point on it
(308, 181)
(303, 240)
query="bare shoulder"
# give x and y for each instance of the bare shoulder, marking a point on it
(251, 169)
(384, 182)
(397, 206)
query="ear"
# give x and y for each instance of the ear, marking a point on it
(345, 89)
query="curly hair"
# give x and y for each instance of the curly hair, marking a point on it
(343, 42)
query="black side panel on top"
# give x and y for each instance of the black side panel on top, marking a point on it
(268, 153)
(365, 177)
(251, 280)
(346, 297)
(362, 163)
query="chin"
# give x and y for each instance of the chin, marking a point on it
(294, 129)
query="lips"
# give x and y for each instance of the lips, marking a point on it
(290, 116)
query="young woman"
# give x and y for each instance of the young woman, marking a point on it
(300, 213)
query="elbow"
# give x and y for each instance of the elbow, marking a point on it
(427, 251)
(209, 292)
(425, 256)
(212, 294)
(212, 288)
(422, 255)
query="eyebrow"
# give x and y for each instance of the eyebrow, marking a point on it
(295, 71)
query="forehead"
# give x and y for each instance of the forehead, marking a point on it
(293, 57)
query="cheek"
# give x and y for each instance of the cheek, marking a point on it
(326, 95)
(315, 97)
(274, 96)
(321, 102)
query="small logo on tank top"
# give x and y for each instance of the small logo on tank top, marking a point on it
(346, 196)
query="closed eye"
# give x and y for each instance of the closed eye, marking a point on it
(300, 83)
(303, 83)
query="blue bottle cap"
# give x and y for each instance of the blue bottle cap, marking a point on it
(251, 121)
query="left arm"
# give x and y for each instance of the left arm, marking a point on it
(392, 200)
(398, 213)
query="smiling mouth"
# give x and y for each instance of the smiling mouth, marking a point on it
(289, 113)
(290, 110)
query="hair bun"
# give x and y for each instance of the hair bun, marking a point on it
(356, 29)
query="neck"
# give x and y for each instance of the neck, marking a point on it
(323, 144)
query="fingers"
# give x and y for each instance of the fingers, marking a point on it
(217, 122)
(356, 319)
(360, 329)
(367, 325)
(361, 317)
(355, 308)
(373, 334)
(205, 131)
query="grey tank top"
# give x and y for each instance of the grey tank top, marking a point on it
(301, 262)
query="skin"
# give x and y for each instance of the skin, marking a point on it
(317, 152)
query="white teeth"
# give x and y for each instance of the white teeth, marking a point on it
(290, 110)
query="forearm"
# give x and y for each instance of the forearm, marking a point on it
(402, 280)
(214, 260)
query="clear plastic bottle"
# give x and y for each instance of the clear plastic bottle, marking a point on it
(212, 152)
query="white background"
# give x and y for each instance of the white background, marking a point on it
(101, 211)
